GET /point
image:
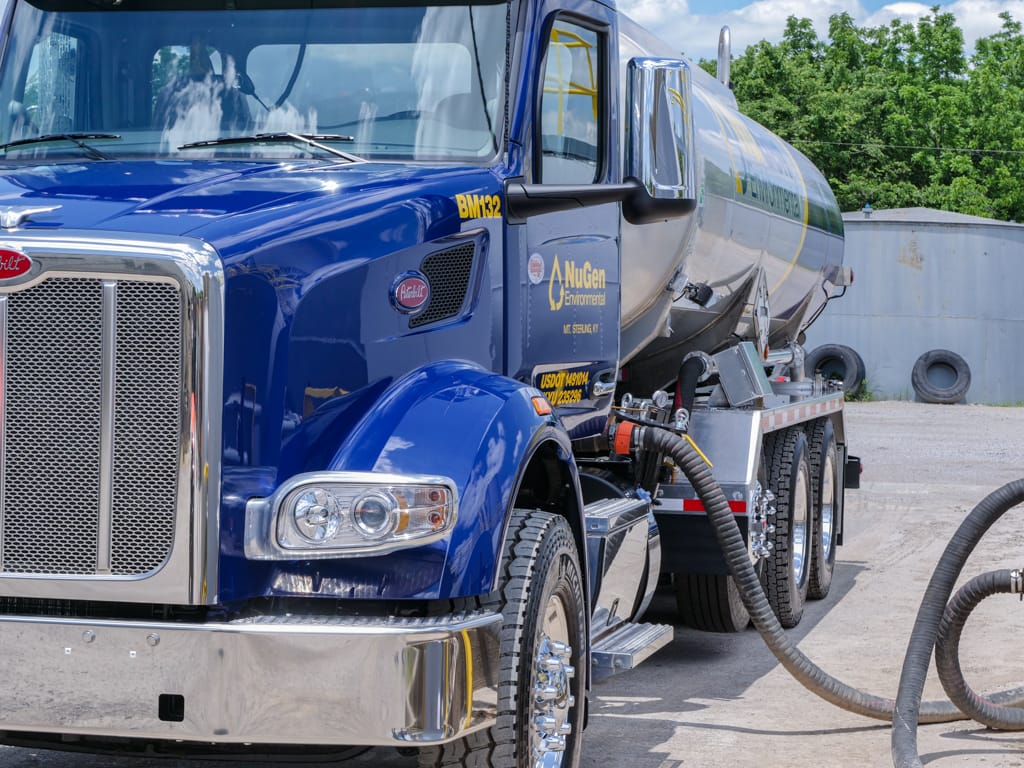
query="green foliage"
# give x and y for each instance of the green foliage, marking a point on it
(897, 115)
(863, 394)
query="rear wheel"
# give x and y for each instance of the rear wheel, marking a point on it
(825, 490)
(710, 602)
(787, 570)
(543, 644)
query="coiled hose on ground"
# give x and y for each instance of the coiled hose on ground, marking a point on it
(907, 710)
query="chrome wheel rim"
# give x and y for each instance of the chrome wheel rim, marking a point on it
(799, 523)
(828, 495)
(552, 675)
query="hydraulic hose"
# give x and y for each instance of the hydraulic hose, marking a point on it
(906, 711)
(689, 375)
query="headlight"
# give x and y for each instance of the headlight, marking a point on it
(347, 513)
(376, 514)
(316, 516)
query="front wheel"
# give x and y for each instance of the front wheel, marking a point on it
(543, 652)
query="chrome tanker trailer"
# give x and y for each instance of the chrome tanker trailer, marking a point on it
(709, 302)
(326, 330)
(766, 225)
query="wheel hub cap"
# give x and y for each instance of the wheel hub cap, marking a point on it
(552, 700)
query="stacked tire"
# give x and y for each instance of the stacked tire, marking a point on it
(836, 362)
(941, 376)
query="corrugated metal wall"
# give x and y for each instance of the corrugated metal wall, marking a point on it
(929, 280)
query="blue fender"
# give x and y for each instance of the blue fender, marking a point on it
(478, 428)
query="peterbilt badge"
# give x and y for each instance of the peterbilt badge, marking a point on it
(13, 264)
(410, 292)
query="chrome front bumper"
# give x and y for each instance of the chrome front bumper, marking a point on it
(288, 680)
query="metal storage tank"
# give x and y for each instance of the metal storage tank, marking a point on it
(924, 280)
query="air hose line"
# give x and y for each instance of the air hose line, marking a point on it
(907, 710)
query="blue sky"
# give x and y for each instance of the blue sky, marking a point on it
(692, 25)
(714, 6)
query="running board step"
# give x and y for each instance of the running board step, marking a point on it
(627, 646)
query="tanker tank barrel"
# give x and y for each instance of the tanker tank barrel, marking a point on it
(763, 242)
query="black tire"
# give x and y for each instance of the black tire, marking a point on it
(540, 590)
(941, 376)
(710, 602)
(826, 493)
(836, 362)
(786, 574)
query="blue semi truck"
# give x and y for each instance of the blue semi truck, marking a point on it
(323, 329)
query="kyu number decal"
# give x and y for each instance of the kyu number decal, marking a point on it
(564, 387)
(478, 206)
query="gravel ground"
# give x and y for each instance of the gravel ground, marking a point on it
(712, 700)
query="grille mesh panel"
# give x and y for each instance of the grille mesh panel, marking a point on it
(146, 425)
(448, 273)
(52, 429)
(53, 419)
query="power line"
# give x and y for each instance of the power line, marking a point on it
(967, 150)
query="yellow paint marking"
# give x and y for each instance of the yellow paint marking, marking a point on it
(468, 648)
(803, 229)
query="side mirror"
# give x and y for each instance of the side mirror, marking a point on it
(659, 141)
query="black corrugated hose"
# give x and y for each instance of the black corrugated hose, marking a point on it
(907, 710)
(947, 650)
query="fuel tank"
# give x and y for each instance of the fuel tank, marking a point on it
(766, 220)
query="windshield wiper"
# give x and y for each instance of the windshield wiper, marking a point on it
(312, 139)
(77, 139)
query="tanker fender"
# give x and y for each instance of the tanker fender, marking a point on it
(483, 431)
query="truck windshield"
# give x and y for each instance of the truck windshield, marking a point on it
(379, 81)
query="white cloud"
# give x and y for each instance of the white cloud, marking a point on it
(976, 18)
(697, 34)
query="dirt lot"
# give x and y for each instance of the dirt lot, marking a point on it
(721, 700)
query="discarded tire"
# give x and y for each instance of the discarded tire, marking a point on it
(941, 376)
(836, 362)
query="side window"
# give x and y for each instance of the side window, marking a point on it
(49, 101)
(570, 130)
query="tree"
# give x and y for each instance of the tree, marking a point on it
(897, 115)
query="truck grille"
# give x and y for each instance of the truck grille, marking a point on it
(90, 425)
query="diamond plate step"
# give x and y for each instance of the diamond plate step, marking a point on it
(627, 646)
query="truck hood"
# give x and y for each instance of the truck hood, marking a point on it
(184, 198)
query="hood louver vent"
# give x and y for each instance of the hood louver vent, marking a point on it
(448, 273)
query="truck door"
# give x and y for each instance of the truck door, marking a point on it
(569, 305)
